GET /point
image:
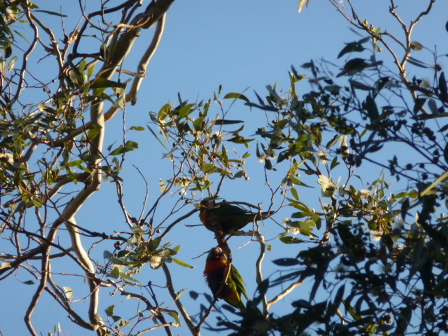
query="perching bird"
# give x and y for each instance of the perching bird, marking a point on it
(356, 65)
(215, 273)
(231, 217)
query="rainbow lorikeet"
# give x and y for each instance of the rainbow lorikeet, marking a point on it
(231, 217)
(215, 273)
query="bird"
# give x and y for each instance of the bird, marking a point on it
(356, 65)
(216, 268)
(230, 217)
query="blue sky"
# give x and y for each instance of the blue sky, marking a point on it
(239, 45)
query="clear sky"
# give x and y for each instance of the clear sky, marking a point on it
(239, 45)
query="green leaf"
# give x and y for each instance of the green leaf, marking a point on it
(174, 314)
(94, 131)
(162, 186)
(123, 323)
(198, 124)
(164, 111)
(334, 163)
(117, 261)
(155, 243)
(186, 110)
(129, 146)
(417, 46)
(181, 263)
(291, 240)
(294, 193)
(235, 95)
(110, 310)
(115, 273)
(137, 128)
(333, 141)
(8, 52)
(179, 294)
(209, 168)
(105, 83)
(127, 277)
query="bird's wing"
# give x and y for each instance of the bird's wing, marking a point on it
(238, 280)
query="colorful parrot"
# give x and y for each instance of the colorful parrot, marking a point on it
(231, 217)
(215, 273)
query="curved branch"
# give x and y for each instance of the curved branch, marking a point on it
(144, 20)
(40, 289)
(259, 269)
(284, 293)
(174, 295)
(149, 53)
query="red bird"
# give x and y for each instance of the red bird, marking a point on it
(215, 272)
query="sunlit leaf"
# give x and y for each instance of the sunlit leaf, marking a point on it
(5, 265)
(174, 314)
(93, 131)
(417, 46)
(186, 110)
(209, 168)
(179, 294)
(115, 273)
(129, 146)
(181, 263)
(68, 293)
(294, 193)
(235, 95)
(302, 3)
(105, 83)
(110, 310)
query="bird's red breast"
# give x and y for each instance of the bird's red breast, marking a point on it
(214, 266)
